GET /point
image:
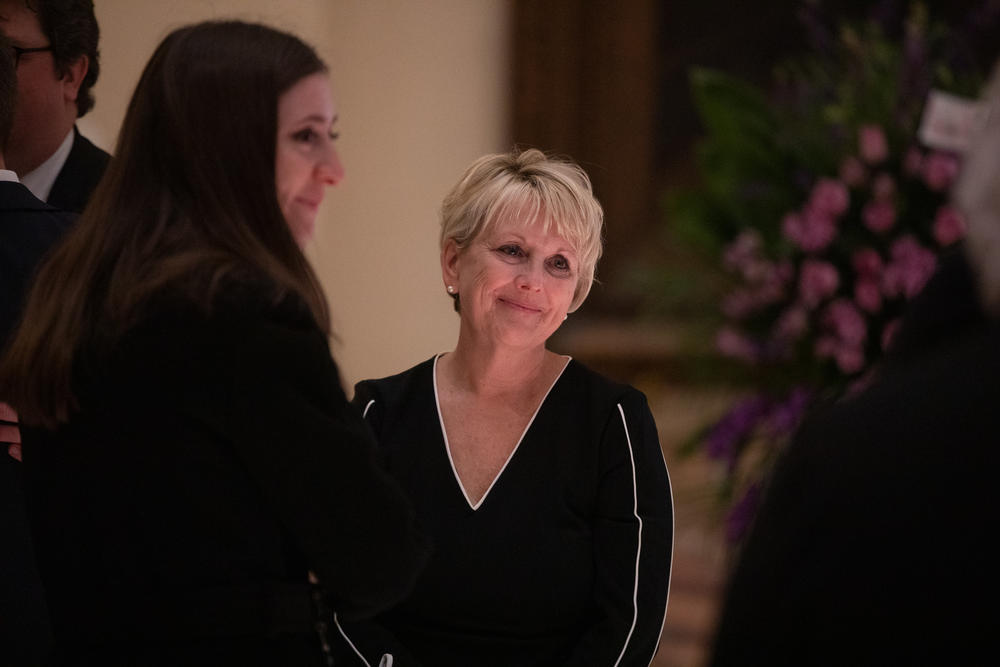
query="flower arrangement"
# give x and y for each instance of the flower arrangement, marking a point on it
(828, 216)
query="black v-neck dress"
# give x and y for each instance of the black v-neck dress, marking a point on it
(566, 558)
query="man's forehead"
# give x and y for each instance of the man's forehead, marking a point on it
(18, 20)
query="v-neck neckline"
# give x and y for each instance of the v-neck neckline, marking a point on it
(447, 446)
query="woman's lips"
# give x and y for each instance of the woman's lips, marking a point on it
(520, 306)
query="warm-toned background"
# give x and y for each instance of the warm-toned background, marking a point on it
(424, 87)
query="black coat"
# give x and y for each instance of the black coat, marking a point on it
(79, 176)
(213, 463)
(874, 544)
(28, 227)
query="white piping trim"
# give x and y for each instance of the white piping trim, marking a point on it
(367, 406)
(336, 621)
(670, 572)
(638, 551)
(447, 445)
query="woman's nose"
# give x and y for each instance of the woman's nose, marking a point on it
(531, 277)
(330, 169)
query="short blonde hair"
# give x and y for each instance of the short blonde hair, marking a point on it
(521, 187)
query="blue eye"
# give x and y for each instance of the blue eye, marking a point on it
(559, 264)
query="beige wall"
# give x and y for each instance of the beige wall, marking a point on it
(422, 88)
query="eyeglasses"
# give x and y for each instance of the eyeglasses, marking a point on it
(20, 51)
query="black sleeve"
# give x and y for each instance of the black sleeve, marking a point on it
(366, 642)
(633, 541)
(314, 458)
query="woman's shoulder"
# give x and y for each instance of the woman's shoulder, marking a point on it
(239, 300)
(414, 378)
(598, 388)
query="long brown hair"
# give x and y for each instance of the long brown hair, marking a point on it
(188, 201)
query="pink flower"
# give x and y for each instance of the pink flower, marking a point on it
(884, 186)
(879, 215)
(949, 225)
(744, 249)
(784, 271)
(829, 196)
(738, 304)
(732, 343)
(913, 161)
(792, 323)
(889, 333)
(852, 172)
(868, 294)
(872, 144)
(909, 268)
(867, 262)
(850, 359)
(939, 170)
(846, 322)
(826, 346)
(817, 281)
(812, 231)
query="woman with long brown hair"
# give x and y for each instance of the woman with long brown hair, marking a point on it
(190, 457)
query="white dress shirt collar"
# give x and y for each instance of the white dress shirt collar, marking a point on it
(41, 179)
(8, 175)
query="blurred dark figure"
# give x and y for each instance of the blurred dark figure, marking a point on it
(28, 227)
(874, 542)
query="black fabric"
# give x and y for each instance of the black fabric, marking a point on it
(544, 571)
(213, 450)
(76, 181)
(28, 228)
(874, 544)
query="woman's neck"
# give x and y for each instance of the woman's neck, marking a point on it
(489, 370)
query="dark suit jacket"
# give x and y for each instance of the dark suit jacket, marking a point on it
(213, 462)
(28, 227)
(875, 542)
(79, 176)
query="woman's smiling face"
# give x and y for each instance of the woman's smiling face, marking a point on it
(307, 161)
(515, 283)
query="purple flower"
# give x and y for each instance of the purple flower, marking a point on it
(829, 197)
(786, 414)
(939, 170)
(735, 426)
(879, 215)
(909, 268)
(741, 514)
(872, 144)
(817, 281)
(853, 172)
(949, 225)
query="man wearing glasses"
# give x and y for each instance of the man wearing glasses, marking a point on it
(55, 51)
